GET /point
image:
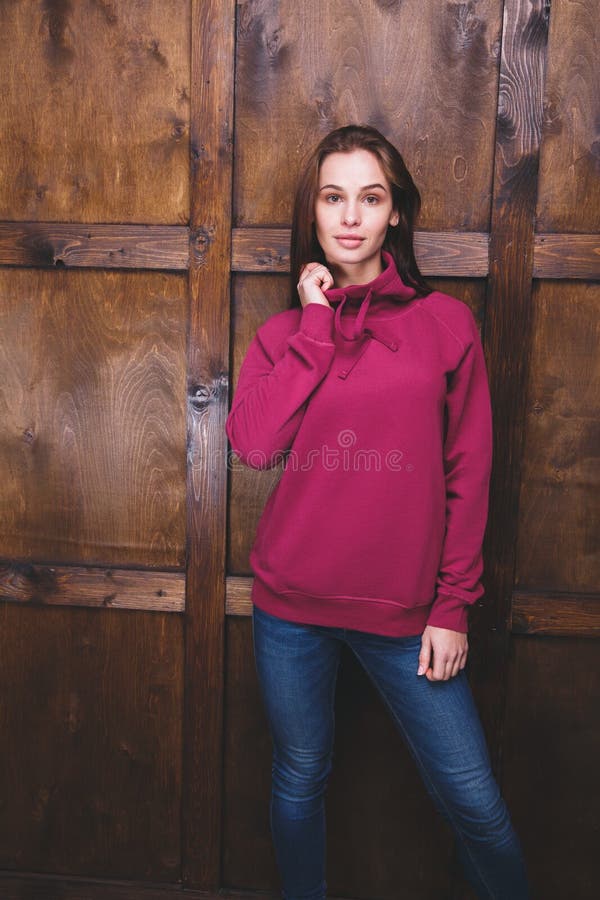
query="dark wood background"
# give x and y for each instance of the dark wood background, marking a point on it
(147, 164)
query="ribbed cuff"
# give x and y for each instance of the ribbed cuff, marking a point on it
(317, 322)
(449, 612)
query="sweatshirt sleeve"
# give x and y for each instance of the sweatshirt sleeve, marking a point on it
(467, 467)
(270, 397)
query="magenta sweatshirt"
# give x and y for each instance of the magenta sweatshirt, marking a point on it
(378, 411)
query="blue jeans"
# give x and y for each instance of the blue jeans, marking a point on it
(297, 668)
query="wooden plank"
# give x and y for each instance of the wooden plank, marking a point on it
(55, 244)
(41, 585)
(438, 253)
(507, 339)
(51, 887)
(428, 81)
(93, 375)
(559, 499)
(91, 755)
(166, 247)
(238, 589)
(566, 256)
(552, 747)
(557, 614)
(212, 61)
(95, 111)
(569, 186)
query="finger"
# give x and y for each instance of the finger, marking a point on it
(328, 280)
(424, 657)
(310, 267)
(441, 669)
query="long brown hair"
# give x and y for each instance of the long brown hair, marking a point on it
(406, 199)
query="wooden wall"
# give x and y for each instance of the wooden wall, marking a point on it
(146, 177)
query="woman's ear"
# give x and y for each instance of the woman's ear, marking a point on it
(394, 219)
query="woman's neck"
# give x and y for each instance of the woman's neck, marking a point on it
(344, 276)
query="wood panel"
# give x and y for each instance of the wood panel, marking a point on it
(213, 25)
(90, 586)
(507, 335)
(438, 253)
(551, 750)
(558, 614)
(92, 397)
(108, 246)
(567, 256)
(302, 70)
(51, 887)
(167, 247)
(91, 775)
(569, 187)
(558, 540)
(95, 115)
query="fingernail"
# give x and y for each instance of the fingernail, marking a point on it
(420, 670)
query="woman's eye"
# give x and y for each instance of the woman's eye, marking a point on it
(372, 200)
(333, 198)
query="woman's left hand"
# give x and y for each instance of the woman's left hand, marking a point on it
(449, 649)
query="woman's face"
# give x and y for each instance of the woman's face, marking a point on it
(353, 209)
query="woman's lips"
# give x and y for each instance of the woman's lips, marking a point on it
(350, 242)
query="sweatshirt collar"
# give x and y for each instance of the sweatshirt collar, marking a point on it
(380, 298)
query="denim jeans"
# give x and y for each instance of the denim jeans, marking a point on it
(297, 668)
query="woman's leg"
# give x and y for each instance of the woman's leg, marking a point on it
(441, 726)
(297, 669)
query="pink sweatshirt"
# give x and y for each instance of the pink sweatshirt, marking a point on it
(378, 410)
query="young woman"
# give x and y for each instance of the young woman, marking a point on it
(373, 393)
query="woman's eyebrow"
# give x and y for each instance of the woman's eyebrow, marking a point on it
(336, 187)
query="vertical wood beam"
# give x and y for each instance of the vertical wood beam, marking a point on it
(211, 149)
(507, 337)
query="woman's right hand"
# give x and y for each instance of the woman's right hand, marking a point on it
(314, 279)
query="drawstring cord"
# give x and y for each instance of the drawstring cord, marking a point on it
(359, 332)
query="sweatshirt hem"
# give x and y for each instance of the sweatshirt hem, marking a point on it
(359, 614)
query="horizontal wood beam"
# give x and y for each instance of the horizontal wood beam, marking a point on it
(16, 886)
(43, 585)
(54, 244)
(438, 252)
(238, 590)
(167, 247)
(566, 256)
(562, 615)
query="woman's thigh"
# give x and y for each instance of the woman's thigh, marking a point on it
(440, 723)
(297, 667)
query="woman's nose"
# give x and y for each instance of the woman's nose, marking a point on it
(350, 216)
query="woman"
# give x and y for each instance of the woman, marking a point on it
(373, 393)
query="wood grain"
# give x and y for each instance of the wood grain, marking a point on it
(567, 256)
(95, 111)
(91, 773)
(568, 191)
(555, 614)
(88, 586)
(51, 887)
(213, 23)
(268, 250)
(552, 747)
(167, 247)
(558, 536)
(92, 398)
(426, 74)
(507, 340)
(58, 244)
